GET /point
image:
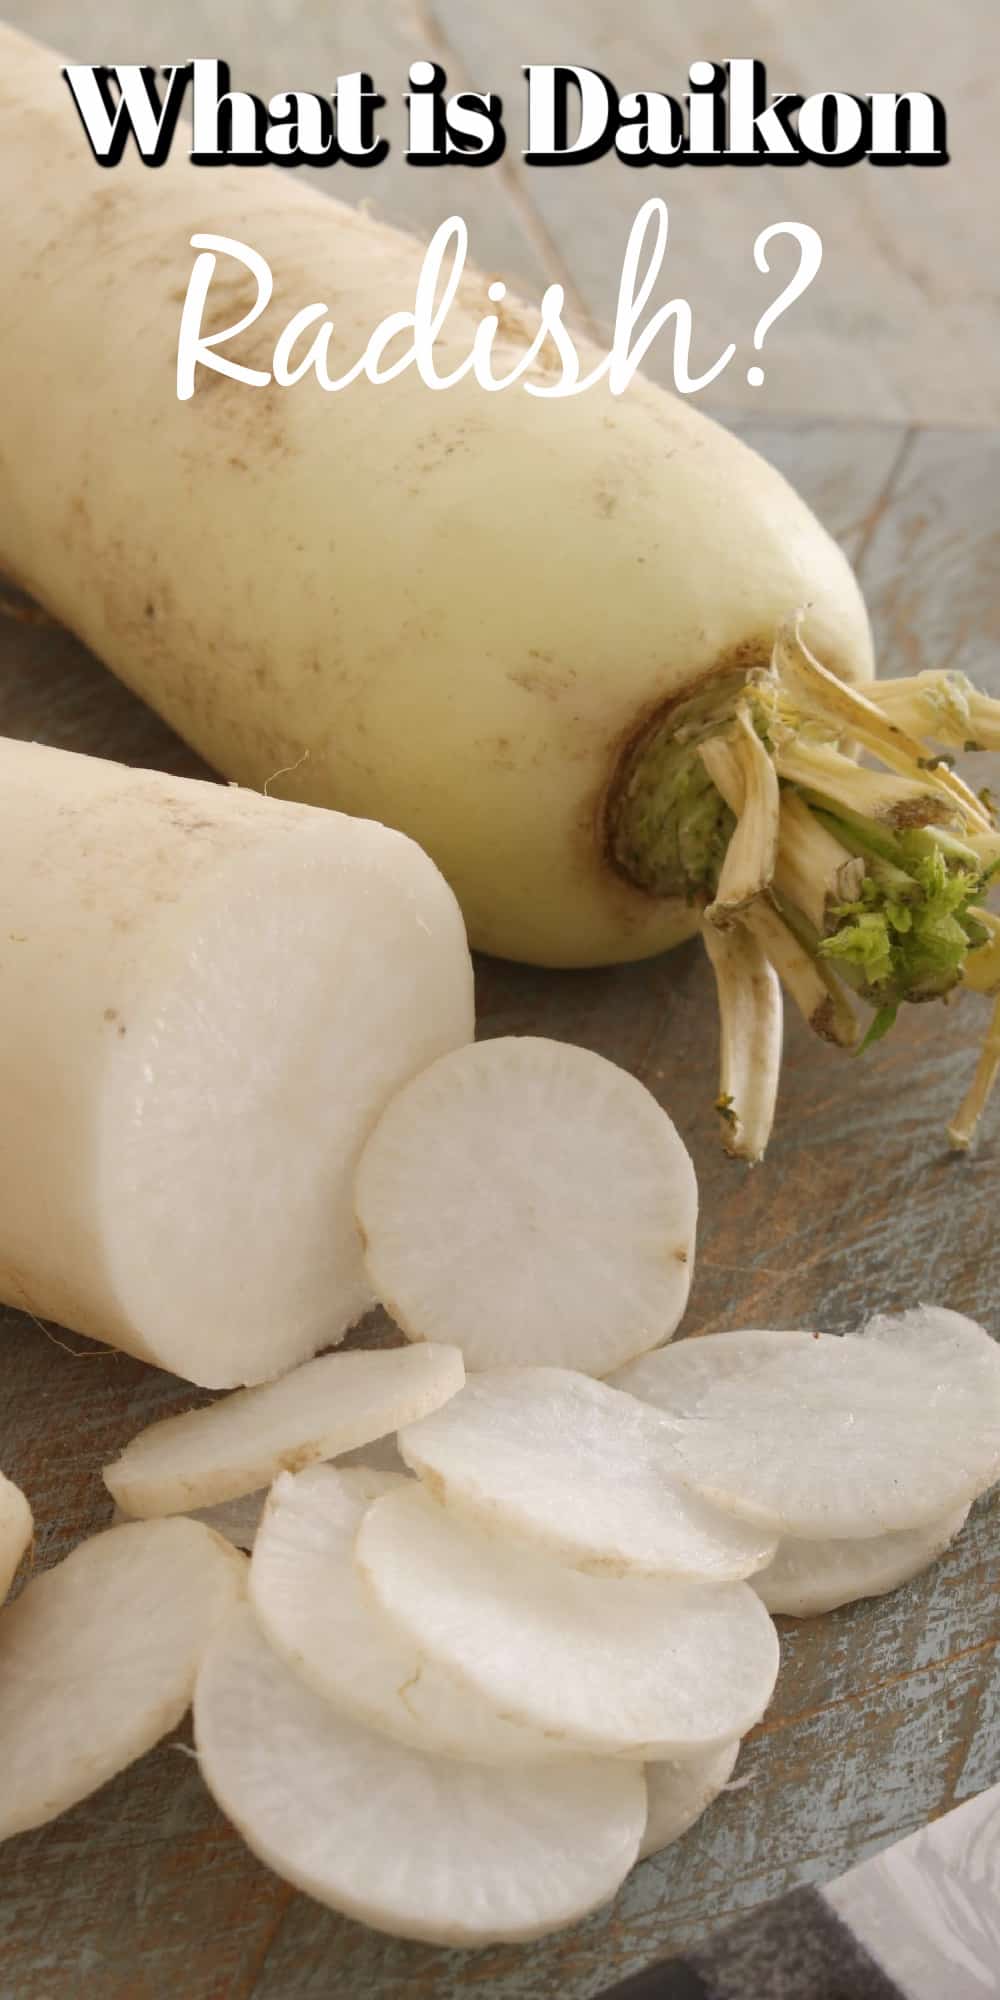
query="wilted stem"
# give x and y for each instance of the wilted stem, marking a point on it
(962, 1129)
(750, 1030)
(749, 777)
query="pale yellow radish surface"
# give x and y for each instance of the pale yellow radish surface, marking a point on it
(450, 611)
(206, 999)
(239, 1444)
(16, 1529)
(98, 1659)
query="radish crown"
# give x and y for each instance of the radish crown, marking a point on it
(843, 879)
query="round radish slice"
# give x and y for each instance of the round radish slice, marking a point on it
(316, 1612)
(836, 1437)
(98, 1659)
(678, 1794)
(240, 1443)
(936, 1335)
(16, 1530)
(630, 1666)
(807, 1578)
(236, 1521)
(675, 1378)
(423, 1848)
(580, 1469)
(530, 1202)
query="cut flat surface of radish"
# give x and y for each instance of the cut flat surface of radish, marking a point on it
(16, 1530)
(675, 1378)
(807, 1578)
(237, 1521)
(531, 1202)
(897, 1438)
(678, 1794)
(628, 1666)
(580, 1469)
(317, 1613)
(98, 1659)
(448, 1852)
(936, 1335)
(239, 1444)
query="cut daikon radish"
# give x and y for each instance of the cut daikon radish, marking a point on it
(677, 1795)
(936, 1335)
(98, 1659)
(16, 1530)
(318, 1614)
(582, 1470)
(675, 1378)
(240, 1443)
(448, 1852)
(237, 1521)
(210, 998)
(844, 1437)
(807, 1578)
(631, 1666)
(531, 1202)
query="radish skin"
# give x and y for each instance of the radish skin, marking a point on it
(460, 634)
(207, 998)
(16, 1530)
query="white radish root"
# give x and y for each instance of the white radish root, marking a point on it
(316, 1612)
(98, 1659)
(239, 1444)
(581, 1470)
(530, 1202)
(16, 1530)
(896, 1440)
(212, 997)
(237, 1521)
(675, 1378)
(677, 1795)
(447, 1852)
(936, 1335)
(628, 1666)
(807, 1578)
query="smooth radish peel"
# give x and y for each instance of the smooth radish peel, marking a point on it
(447, 1852)
(530, 1202)
(581, 1470)
(239, 1444)
(98, 1659)
(628, 1666)
(16, 1530)
(319, 1616)
(807, 1578)
(678, 1794)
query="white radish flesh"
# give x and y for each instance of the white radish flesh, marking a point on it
(807, 1578)
(675, 1378)
(580, 1469)
(677, 1795)
(628, 1666)
(451, 1853)
(207, 999)
(237, 1521)
(16, 1530)
(531, 1202)
(835, 1437)
(239, 1444)
(318, 1614)
(937, 1336)
(98, 1659)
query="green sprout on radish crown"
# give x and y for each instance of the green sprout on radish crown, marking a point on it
(813, 872)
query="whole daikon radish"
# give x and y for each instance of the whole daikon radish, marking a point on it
(206, 998)
(508, 625)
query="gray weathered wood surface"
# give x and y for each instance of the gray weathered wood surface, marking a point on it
(885, 1714)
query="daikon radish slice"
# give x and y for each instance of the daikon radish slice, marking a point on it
(936, 1335)
(675, 1378)
(531, 1202)
(629, 1666)
(677, 1795)
(318, 1614)
(580, 1469)
(452, 1853)
(98, 1659)
(237, 1521)
(807, 1578)
(834, 1438)
(240, 1443)
(16, 1530)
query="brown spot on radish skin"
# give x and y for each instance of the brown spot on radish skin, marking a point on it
(681, 1256)
(111, 1013)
